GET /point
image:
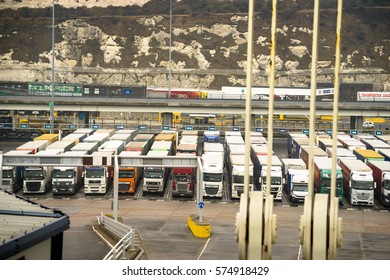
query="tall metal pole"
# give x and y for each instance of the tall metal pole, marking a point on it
(170, 47)
(336, 99)
(52, 75)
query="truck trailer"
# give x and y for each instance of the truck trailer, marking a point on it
(358, 182)
(366, 155)
(381, 171)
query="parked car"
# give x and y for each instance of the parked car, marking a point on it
(368, 125)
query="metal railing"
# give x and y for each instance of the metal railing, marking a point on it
(122, 231)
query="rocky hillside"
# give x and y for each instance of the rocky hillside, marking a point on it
(127, 42)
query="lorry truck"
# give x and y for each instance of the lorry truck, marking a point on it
(323, 176)
(184, 178)
(12, 175)
(129, 176)
(98, 176)
(358, 182)
(366, 155)
(236, 165)
(37, 179)
(277, 180)
(297, 184)
(155, 177)
(67, 179)
(296, 178)
(213, 177)
(381, 171)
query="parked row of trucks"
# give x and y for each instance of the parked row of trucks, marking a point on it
(362, 170)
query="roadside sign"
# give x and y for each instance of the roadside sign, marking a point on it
(142, 127)
(201, 205)
(188, 127)
(119, 126)
(329, 131)
(353, 132)
(127, 91)
(23, 125)
(95, 126)
(305, 131)
(259, 129)
(282, 130)
(212, 128)
(165, 127)
(378, 132)
(235, 128)
(47, 126)
(71, 126)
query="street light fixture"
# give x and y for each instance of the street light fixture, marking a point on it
(170, 47)
(52, 75)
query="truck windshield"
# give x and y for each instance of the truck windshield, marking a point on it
(126, 174)
(274, 180)
(155, 173)
(62, 173)
(362, 185)
(326, 183)
(212, 177)
(7, 173)
(300, 187)
(386, 184)
(94, 173)
(33, 174)
(239, 179)
(182, 178)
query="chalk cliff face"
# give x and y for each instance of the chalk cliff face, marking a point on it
(130, 44)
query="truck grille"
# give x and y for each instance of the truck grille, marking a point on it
(33, 186)
(94, 181)
(240, 190)
(211, 190)
(363, 196)
(182, 187)
(123, 187)
(152, 188)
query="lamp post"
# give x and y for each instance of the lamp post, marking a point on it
(52, 75)
(170, 47)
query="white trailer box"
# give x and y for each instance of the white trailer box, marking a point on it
(88, 147)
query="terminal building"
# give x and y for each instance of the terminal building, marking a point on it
(29, 231)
